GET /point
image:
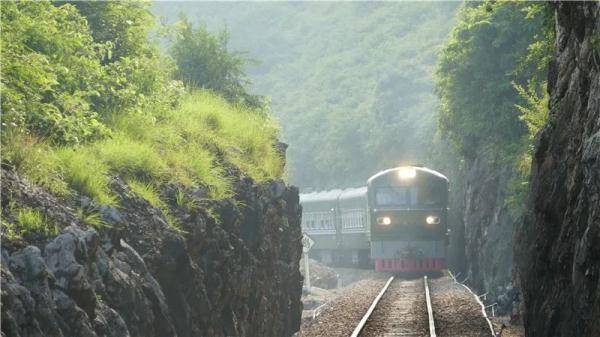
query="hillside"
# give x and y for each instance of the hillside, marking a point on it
(351, 83)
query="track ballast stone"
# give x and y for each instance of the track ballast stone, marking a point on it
(341, 316)
(455, 310)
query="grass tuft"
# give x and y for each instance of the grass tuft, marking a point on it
(92, 218)
(31, 220)
(146, 191)
(36, 160)
(131, 158)
(87, 174)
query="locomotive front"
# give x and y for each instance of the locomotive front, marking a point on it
(408, 219)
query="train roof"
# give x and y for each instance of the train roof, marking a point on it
(320, 196)
(332, 195)
(351, 193)
(420, 169)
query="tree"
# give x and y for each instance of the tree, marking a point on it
(477, 68)
(203, 61)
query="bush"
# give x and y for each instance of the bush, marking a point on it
(50, 69)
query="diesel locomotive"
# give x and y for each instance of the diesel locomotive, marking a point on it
(396, 223)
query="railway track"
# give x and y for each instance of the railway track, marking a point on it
(402, 308)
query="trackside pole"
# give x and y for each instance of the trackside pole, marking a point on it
(307, 243)
(306, 272)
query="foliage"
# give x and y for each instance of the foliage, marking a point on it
(489, 80)
(534, 113)
(535, 110)
(35, 159)
(63, 82)
(86, 95)
(351, 83)
(50, 71)
(85, 173)
(123, 25)
(150, 193)
(181, 200)
(147, 191)
(203, 61)
(474, 85)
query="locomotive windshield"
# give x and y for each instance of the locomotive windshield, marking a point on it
(404, 196)
(396, 196)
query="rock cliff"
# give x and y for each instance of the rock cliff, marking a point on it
(230, 270)
(482, 228)
(488, 230)
(557, 250)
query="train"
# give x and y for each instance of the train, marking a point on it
(398, 222)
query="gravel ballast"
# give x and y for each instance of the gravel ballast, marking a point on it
(340, 317)
(456, 311)
(401, 311)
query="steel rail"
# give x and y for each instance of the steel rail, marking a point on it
(365, 318)
(429, 308)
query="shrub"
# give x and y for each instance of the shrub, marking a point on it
(50, 68)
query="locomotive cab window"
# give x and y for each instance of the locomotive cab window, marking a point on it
(432, 195)
(396, 196)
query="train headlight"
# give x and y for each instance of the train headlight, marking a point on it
(432, 220)
(384, 220)
(407, 173)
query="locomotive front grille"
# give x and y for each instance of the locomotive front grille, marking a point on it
(410, 265)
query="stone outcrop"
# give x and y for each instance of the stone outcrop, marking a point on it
(488, 230)
(231, 269)
(557, 252)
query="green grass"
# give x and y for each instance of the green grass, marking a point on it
(187, 146)
(246, 137)
(146, 191)
(36, 160)
(87, 173)
(91, 218)
(131, 158)
(29, 220)
(150, 193)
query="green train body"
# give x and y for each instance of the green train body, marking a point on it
(398, 222)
